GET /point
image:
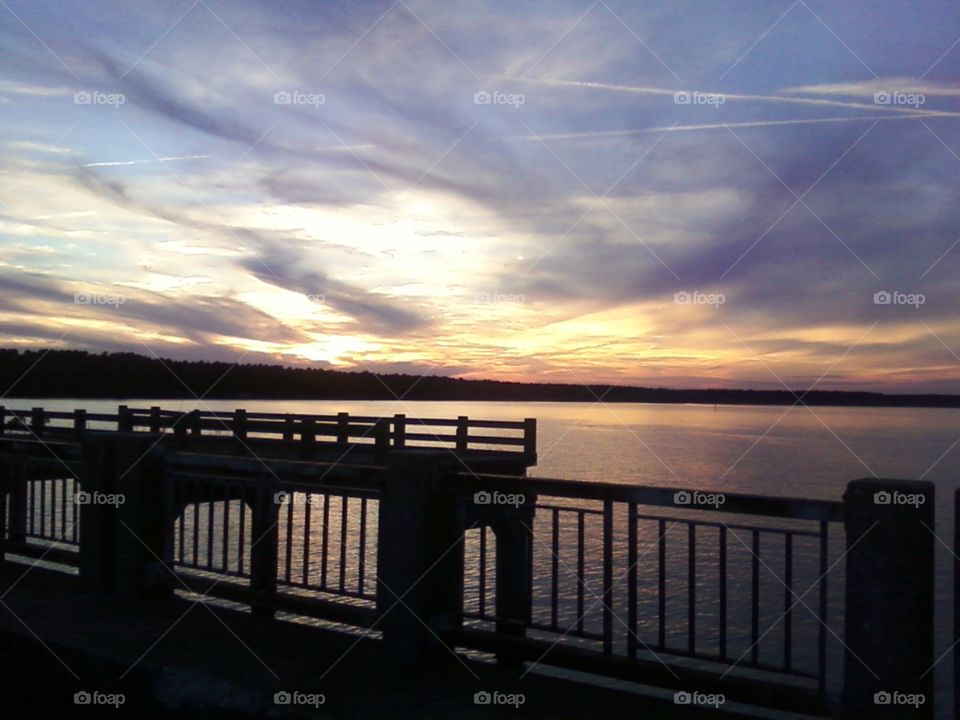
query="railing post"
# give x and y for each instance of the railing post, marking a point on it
(79, 422)
(420, 557)
(381, 435)
(462, 429)
(195, 429)
(124, 419)
(98, 474)
(288, 427)
(343, 430)
(37, 421)
(123, 532)
(513, 528)
(308, 436)
(3, 420)
(17, 529)
(530, 440)
(240, 424)
(399, 430)
(139, 521)
(889, 598)
(155, 419)
(264, 544)
(180, 431)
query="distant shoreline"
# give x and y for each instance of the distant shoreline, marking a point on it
(78, 375)
(945, 405)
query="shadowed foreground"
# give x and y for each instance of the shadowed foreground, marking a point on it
(217, 662)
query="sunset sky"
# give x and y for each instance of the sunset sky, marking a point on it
(501, 190)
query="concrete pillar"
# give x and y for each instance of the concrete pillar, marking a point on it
(889, 598)
(122, 518)
(264, 543)
(514, 573)
(97, 522)
(420, 557)
(141, 522)
(15, 484)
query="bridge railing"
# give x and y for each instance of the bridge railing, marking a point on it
(731, 594)
(279, 535)
(638, 579)
(309, 431)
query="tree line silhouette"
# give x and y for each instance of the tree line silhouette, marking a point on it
(81, 374)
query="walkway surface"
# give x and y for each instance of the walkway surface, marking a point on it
(175, 658)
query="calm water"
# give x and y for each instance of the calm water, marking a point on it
(765, 450)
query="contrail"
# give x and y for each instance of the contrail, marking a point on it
(143, 162)
(642, 90)
(717, 126)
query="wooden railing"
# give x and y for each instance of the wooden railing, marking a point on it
(309, 433)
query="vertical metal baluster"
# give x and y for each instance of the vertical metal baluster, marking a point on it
(787, 596)
(306, 537)
(196, 526)
(43, 506)
(607, 577)
(325, 540)
(362, 554)
(723, 592)
(662, 584)
(226, 526)
(581, 569)
(288, 546)
(210, 524)
(555, 571)
(755, 600)
(32, 492)
(63, 508)
(76, 512)
(482, 585)
(632, 580)
(691, 587)
(822, 639)
(178, 488)
(344, 504)
(241, 547)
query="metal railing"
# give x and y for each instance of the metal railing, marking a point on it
(638, 574)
